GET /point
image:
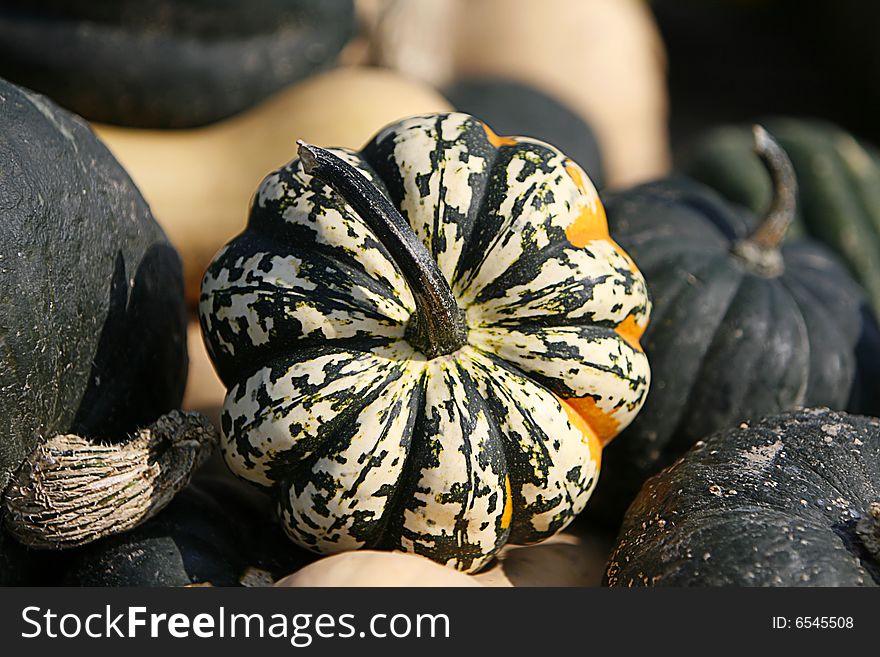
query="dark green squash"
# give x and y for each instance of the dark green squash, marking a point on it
(190, 542)
(268, 553)
(16, 563)
(92, 316)
(215, 532)
(742, 327)
(515, 108)
(839, 200)
(167, 63)
(791, 500)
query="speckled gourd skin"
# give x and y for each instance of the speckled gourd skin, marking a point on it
(365, 442)
(727, 344)
(92, 319)
(771, 503)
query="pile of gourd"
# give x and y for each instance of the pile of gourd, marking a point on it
(323, 293)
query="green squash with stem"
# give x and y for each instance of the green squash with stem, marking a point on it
(839, 192)
(745, 324)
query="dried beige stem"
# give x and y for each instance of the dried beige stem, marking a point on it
(72, 491)
(760, 249)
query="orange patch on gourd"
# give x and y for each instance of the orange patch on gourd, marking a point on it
(507, 514)
(589, 226)
(582, 425)
(577, 175)
(591, 223)
(604, 426)
(496, 140)
(630, 331)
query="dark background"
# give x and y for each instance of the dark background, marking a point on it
(740, 60)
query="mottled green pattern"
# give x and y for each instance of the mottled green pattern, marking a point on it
(368, 443)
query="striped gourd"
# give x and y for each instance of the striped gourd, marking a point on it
(426, 343)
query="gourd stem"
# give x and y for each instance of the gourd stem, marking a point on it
(772, 228)
(437, 327)
(759, 251)
(72, 490)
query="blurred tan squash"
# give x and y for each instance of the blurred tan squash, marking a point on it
(576, 557)
(374, 568)
(204, 390)
(604, 58)
(199, 182)
(572, 558)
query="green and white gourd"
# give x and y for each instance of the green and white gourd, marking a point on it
(426, 343)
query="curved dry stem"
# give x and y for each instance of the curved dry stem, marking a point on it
(438, 326)
(72, 491)
(761, 248)
(772, 228)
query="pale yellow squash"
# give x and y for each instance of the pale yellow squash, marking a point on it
(204, 390)
(604, 58)
(572, 558)
(199, 182)
(372, 568)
